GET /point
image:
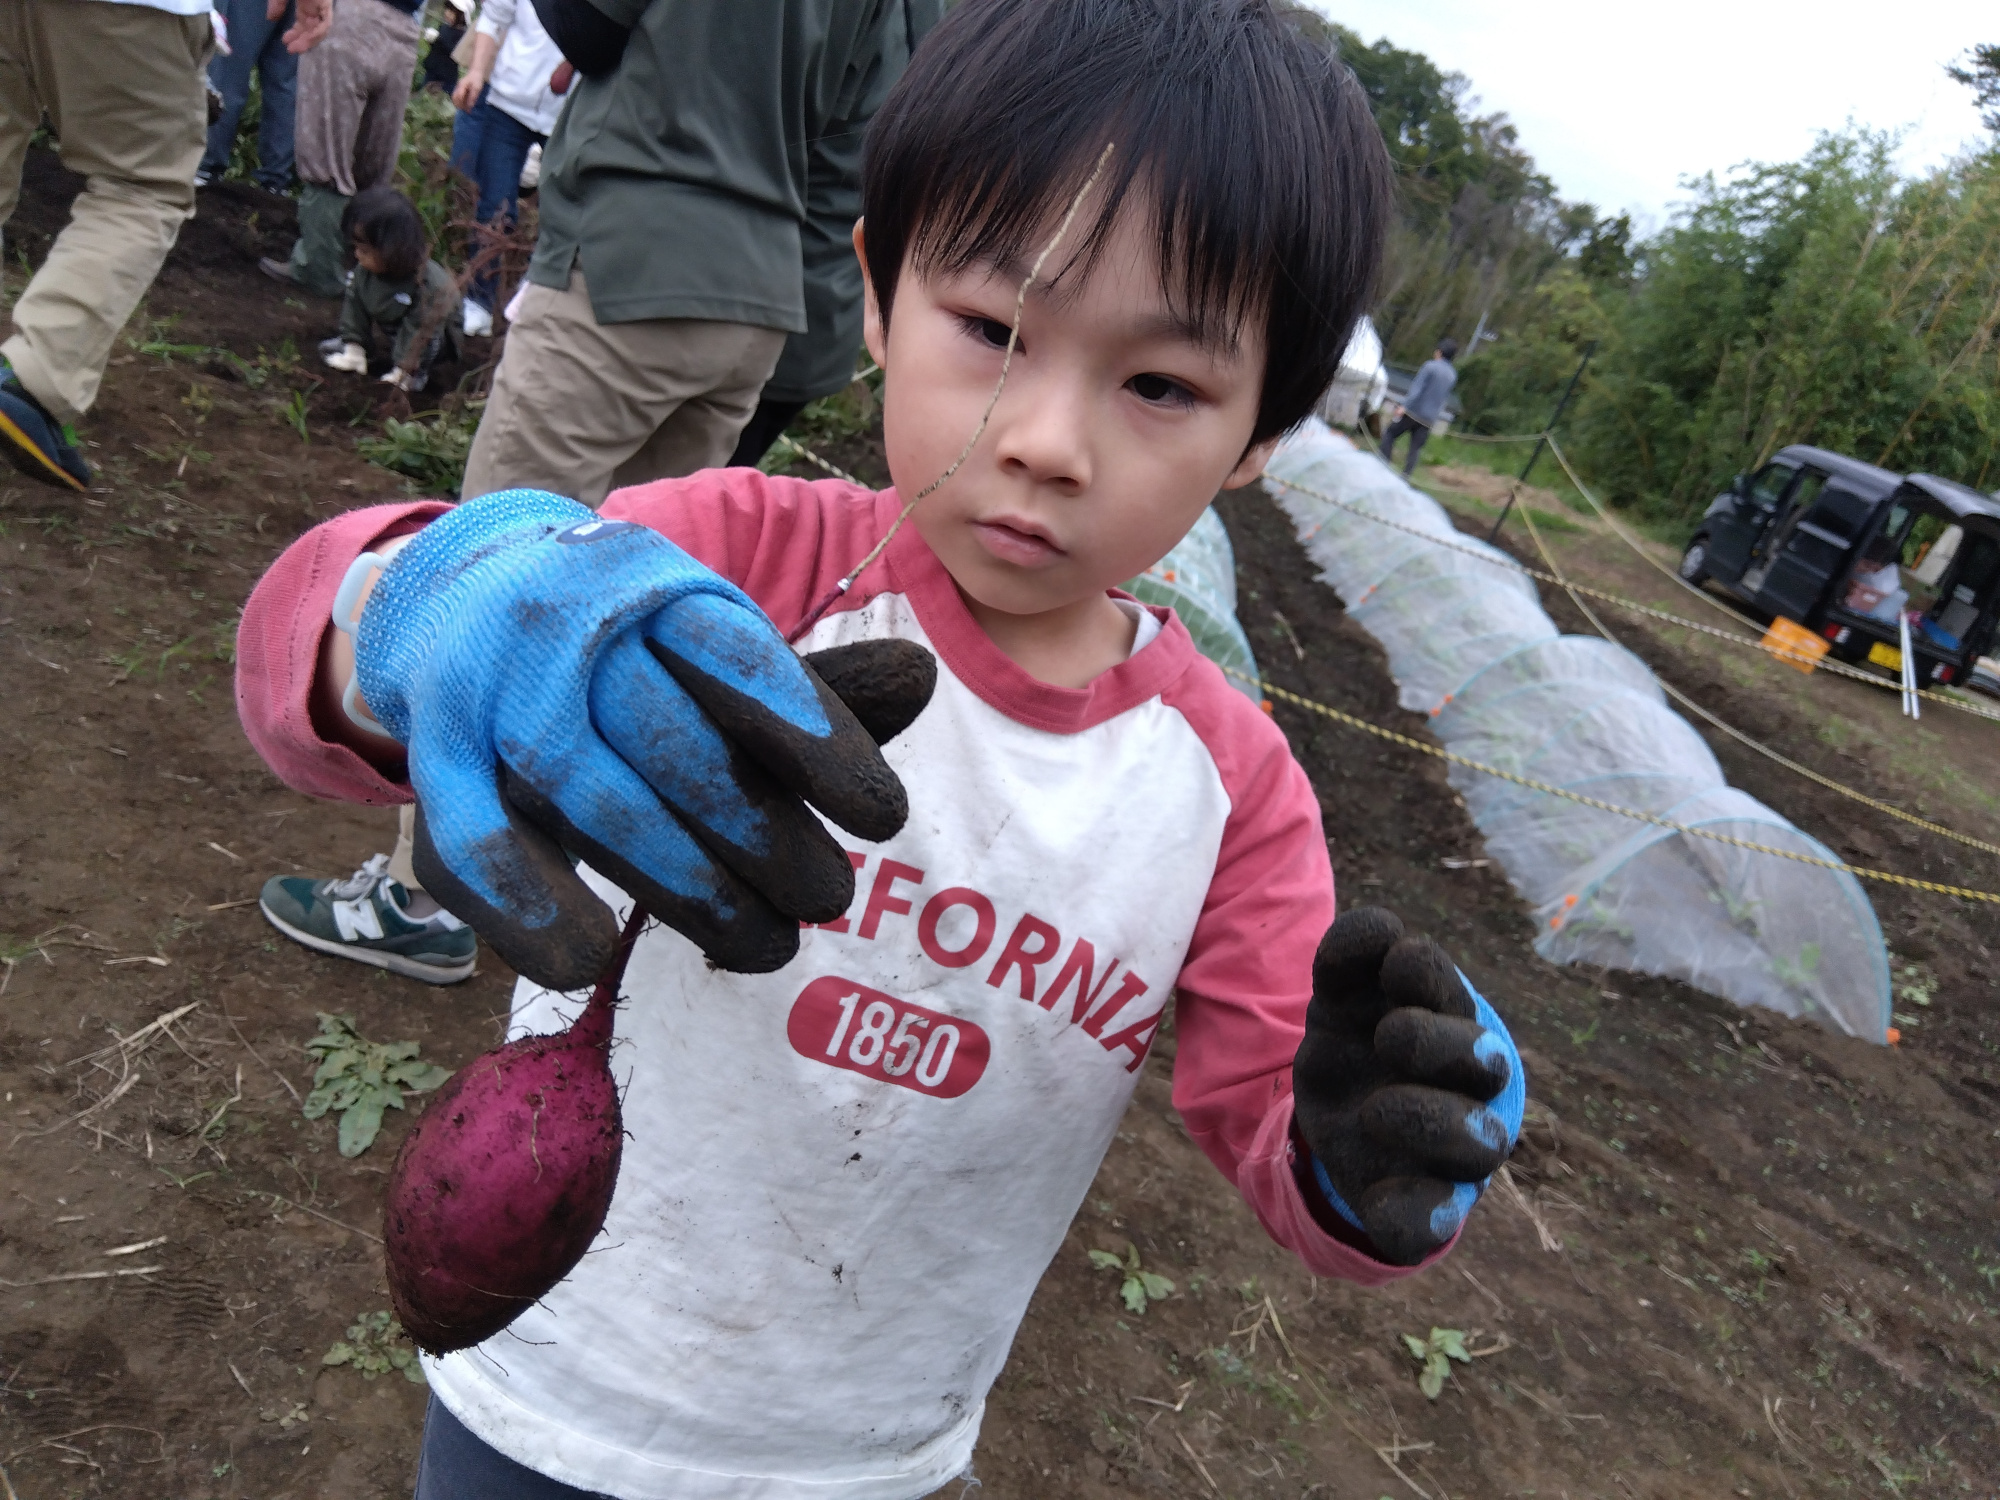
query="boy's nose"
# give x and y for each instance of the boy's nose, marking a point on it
(1042, 430)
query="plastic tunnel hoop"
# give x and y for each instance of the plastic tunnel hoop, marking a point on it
(1471, 646)
(1197, 580)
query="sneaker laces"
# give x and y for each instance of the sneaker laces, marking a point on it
(362, 882)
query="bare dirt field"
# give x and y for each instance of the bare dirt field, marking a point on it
(1735, 1255)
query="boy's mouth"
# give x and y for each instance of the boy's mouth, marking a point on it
(1013, 539)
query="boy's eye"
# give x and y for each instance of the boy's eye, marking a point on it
(989, 331)
(1160, 391)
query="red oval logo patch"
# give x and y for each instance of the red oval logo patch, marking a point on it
(848, 1025)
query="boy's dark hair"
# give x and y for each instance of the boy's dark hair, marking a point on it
(388, 223)
(1447, 348)
(1270, 184)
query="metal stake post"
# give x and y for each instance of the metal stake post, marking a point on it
(1542, 441)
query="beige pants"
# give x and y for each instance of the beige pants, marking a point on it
(582, 408)
(123, 88)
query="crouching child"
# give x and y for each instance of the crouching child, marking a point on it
(908, 970)
(395, 292)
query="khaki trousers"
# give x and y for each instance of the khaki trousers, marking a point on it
(123, 87)
(582, 408)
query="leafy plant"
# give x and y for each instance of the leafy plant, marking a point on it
(1435, 1354)
(432, 452)
(375, 1345)
(1138, 1286)
(359, 1079)
(294, 412)
(1918, 985)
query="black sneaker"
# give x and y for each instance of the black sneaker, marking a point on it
(39, 445)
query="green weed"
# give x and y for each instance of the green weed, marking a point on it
(1138, 1286)
(294, 412)
(1435, 1354)
(375, 1345)
(359, 1079)
(430, 452)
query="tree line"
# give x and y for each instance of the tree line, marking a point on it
(1829, 300)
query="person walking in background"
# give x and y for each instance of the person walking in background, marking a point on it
(257, 46)
(1423, 404)
(507, 105)
(123, 86)
(674, 192)
(352, 93)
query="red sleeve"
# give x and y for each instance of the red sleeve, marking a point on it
(783, 541)
(1240, 1006)
(277, 654)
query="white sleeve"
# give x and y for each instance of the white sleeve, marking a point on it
(495, 16)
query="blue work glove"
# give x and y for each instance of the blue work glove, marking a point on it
(567, 685)
(1406, 1087)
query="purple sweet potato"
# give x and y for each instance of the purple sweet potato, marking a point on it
(505, 1180)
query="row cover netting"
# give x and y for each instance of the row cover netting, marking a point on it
(1197, 580)
(1469, 644)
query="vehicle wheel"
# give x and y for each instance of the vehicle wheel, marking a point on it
(1694, 562)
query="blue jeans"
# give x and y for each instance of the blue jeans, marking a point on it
(455, 1465)
(490, 146)
(256, 44)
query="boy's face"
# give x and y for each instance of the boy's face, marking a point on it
(1115, 430)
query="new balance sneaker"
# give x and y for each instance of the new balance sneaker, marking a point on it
(367, 918)
(39, 445)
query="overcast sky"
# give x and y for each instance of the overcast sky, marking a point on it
(1617, 104)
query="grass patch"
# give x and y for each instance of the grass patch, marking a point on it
(1505, 459)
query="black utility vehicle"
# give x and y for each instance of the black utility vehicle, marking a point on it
(1844, 548)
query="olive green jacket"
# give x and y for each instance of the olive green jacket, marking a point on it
(403, 310)
(688, 182)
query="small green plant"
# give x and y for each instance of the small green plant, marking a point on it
(359, 1079)
(294, 412)
(1435, 1354)
(1138, 1286)
(432, 453)
(1918, 985)
(375, 1345)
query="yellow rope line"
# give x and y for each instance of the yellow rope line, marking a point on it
(1353, 722)
(1408, 742)
(1732, 731)
(1632, 606)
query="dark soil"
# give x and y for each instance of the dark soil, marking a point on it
(1776, 1249)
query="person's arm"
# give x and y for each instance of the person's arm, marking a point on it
(1416, 399)
(1244, 996)
(478, 72)
(291, 715)
(591, 33)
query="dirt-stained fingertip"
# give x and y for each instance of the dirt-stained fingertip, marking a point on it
(1350, 955)
(1418, 972)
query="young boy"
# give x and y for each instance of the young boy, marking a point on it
(853, 1147)
(396, 290)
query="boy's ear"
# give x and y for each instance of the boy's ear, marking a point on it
(873, 334)
(1250, 467)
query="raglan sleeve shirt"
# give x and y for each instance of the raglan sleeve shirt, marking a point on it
(1245, 981)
